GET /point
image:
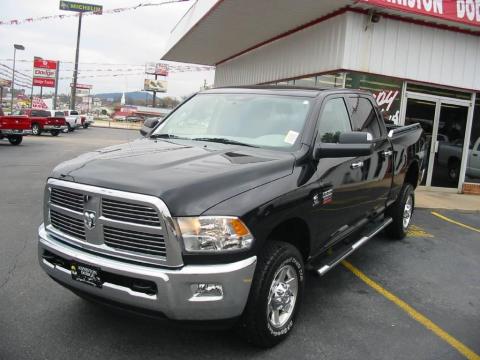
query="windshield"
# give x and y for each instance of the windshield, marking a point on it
(245, 119)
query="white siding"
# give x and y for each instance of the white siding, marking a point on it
(315, 49)
(390, 47)
(412, 51)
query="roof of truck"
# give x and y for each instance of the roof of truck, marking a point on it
(280, 89)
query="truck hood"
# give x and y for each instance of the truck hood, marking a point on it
(190, 177)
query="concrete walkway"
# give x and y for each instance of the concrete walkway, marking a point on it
(440, 199)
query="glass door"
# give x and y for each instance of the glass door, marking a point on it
(444, 122)
(422, 111)
(451, 129)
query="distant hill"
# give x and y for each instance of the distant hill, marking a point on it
(129, 96)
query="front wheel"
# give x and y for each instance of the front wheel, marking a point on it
(401, 212)
(54, 132)
(275, 296)
(15, 140)
(70, 127)
(85, 126)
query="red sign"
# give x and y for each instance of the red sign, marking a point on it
(45, 64)
(161, 69)
(44, 72)
(45, 82)
(462, 11)
(82, 86)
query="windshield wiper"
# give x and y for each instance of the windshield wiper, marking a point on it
(224, 141)
(167, 136)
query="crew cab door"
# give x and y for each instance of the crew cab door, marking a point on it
(339, 190)
(376, 169)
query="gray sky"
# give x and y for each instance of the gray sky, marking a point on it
(132, 37)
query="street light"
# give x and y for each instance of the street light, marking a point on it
(15, 48)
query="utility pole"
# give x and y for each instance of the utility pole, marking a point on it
(56, 86)
(80, 8)
(154, 94)
(75, 72)
(15, 48)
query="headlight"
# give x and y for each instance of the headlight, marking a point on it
(214, 234)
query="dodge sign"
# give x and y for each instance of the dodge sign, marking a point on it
(44, 72)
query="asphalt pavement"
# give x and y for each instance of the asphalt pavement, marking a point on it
(347, 314)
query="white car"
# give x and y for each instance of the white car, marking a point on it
(73, 119)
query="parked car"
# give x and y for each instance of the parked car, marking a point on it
(73, 119)
(43, 121)
(450, 157)
(219, 211)
(14, 127)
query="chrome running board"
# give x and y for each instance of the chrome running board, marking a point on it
(331, 263)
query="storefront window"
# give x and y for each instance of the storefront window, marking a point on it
(308, 82)
(472, 174)
(438, 91)
(330, 80)
(387, 91)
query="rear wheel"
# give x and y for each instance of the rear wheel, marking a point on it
(15, 139)
(55, 132)
(401, 212)
(36, 130)
(275, 295)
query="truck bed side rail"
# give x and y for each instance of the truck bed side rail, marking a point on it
(395, 130)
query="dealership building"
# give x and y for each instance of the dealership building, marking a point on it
(419, 58)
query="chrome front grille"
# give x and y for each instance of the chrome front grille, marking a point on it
(136, 241)
(67, 224)
(67, 199)
(128, 212)
(113, 223)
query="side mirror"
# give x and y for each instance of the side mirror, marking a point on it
(350, 144)
(148, 125)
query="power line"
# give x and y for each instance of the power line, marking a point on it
(63, 16)
(16, 71)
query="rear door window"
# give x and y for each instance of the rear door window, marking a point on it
(364, 116)
(333, 121)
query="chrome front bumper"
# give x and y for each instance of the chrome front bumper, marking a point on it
(174, 297)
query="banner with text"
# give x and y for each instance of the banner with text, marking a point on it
(462, 11)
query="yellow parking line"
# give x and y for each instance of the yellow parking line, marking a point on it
(455, 222)
(457, 345)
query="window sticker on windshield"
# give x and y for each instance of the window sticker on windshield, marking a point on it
(291, 137)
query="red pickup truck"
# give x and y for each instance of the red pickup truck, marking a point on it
(14, 128)
(42, 121)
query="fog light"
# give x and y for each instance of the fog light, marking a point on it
(206, 292)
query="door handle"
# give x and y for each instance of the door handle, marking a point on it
(357, 165)
(387, 153)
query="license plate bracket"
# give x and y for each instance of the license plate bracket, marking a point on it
(86, 274)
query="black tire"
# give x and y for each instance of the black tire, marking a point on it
(36, 129)
(70, 128)
(54, 132)
(85, 126)
(255, 325)
(398, 211)
(454, 170)
(15, 139)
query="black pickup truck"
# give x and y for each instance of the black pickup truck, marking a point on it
(218, 211)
